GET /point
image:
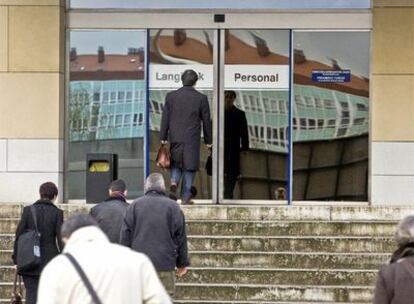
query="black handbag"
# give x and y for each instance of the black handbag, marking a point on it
(28, 247)
(84, 278)
(17, 290)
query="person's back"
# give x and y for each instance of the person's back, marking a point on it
(185, 113)
(110, 213)
(154, 219)
(116, 273)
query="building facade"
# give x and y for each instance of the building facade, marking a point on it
(328, 103)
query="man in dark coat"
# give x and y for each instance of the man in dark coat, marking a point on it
(236, 139)
(49, 220)
(110, 213)
(395, 283)
(155, 225)
(184, 111)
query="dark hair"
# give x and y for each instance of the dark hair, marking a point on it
(48, 191)
(76, 222)
(231, 93)
(189, 77)
(118, 185)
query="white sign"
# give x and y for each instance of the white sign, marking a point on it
(237, 76)
(253, 77)
(168, 76)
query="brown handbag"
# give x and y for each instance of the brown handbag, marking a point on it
(17, 290)
(163, 159)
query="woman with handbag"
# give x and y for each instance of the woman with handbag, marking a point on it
(39, 227)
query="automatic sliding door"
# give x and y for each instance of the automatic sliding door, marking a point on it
(171, 53)
(256, 114)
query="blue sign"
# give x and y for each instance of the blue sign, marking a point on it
(331, 76)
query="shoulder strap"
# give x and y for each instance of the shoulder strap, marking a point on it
(33, 211)
(84, 278)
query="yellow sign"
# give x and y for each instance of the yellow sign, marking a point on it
(99, 166)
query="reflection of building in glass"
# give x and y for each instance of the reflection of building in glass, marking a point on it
(107, 96)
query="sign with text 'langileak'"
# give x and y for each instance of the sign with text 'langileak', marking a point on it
(240, 77)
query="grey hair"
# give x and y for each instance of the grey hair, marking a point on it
(154, 181)
(405, 231)
(76, 222)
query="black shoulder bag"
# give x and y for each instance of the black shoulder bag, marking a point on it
(28, 247)
(84, 278)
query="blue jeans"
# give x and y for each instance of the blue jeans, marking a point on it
(187, 182)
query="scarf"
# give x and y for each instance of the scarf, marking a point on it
(404, 251)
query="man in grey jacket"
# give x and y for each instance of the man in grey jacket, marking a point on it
(110, 213)
(154, 224)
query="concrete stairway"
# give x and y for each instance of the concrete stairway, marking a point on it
(263, 254)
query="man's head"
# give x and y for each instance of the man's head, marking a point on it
(154, 181)
(229, 98)
(189, 78)
(48, 191)
(74, 223)
(118, 187)
(405, 231)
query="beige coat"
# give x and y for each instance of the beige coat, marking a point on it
(118, 274)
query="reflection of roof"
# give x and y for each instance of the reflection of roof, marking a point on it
(239, 52)
(113, 67)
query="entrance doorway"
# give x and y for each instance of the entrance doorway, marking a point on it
(294, 131)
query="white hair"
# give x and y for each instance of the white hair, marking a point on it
(405, 231)
(154, 181)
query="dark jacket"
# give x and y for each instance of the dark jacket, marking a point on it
(110, 215)
(236, 138)
(155, 225)
(183, 113)
(395, 283)
(49, 221)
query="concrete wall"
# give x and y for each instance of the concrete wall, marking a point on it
(31, 96)
(393, 102)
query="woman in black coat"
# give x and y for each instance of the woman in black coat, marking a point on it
(49, 221)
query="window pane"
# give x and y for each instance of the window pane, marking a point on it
(105, 68)
(330, 150)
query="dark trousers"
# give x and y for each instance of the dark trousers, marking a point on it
(229, 183)
(30, 284)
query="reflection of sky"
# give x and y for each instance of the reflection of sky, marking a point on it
(238, 4)
(349, 49)
(114, 42)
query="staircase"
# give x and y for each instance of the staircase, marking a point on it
(264, 254)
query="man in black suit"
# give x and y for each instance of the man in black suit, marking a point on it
(110, 213)
(236, 139)
(184, 111)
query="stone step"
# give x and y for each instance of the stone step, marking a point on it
(315, 277)
(288, 260)
(274, 243)
(296, 243)
(260, 212)
(267, 228)
(261, 276)
(290, 228)
(272, 259)
(263, 293)
(255, 302)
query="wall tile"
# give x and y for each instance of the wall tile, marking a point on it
(24, 187)
(30, 105)
(4, 38)
(392, 190)
(35, 155)
(35, 39)
(393, 40)
(392, 108)
(3, 155)
(392, 158)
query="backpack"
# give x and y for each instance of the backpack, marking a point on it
(28, 247)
